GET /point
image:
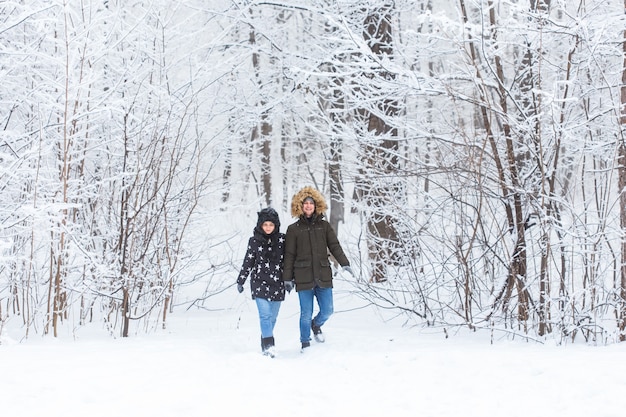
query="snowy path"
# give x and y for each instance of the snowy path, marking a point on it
(208, 364)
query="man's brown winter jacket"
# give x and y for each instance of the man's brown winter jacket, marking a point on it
(307, 244)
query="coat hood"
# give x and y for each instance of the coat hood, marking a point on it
(298, 199)
(268, 215)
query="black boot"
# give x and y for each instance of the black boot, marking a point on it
(317, 333)
(267, 346)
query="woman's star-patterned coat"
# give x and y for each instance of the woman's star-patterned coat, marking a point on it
(263, 262)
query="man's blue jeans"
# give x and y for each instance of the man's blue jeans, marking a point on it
(268, 312)
(324, 297)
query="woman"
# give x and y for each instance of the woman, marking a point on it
(263, 262)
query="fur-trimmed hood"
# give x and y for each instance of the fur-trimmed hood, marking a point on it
(298, 199)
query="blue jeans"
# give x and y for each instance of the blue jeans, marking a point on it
(324, 298)
(268, 312)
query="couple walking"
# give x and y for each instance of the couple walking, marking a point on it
(276, 261)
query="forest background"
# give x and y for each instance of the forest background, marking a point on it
(472, 153)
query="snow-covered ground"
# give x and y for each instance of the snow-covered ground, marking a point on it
(208, 363)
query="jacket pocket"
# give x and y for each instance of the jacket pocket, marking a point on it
(303, 271)
(302, 264)
(326, 273)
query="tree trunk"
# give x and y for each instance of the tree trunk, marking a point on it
(265, 129)
(337, 105)
(380, 160)
(622, 200)
(228, 168)
(622, 205)
(507, 173)
(336, 185)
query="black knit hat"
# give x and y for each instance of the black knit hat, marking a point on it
(268, 215)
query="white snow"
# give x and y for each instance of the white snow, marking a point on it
(208, 363)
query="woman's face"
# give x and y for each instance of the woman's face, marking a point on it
(268, 227)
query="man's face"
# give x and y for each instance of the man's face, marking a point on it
(308, 207)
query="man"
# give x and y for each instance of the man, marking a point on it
(307, 244)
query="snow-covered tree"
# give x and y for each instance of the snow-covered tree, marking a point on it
(478, 144)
